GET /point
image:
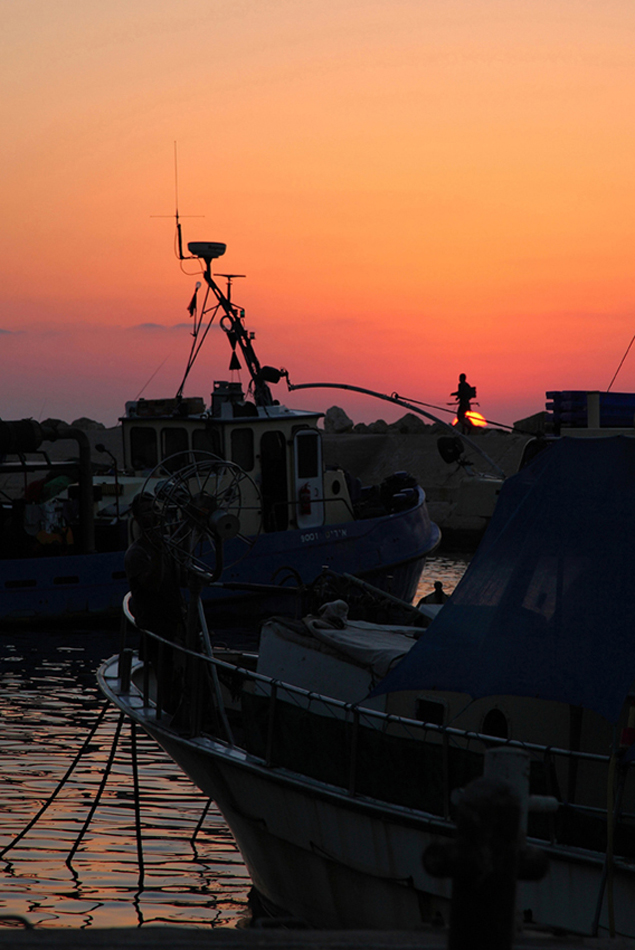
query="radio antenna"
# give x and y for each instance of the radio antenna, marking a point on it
(177, 217)
(229, 278)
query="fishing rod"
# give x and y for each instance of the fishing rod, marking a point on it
(395, 399)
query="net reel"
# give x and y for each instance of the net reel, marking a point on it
(199, 502)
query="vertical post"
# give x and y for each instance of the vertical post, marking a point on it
(146, 668)
(160, 672)
(271, 724)
(575, 737)
(446, 774)
(593, 410)
(214, 672)
(552, 791)
(484, 859)
(483, 908)
(123, 628)
(190, 706)
(352, 775)
(125, 667)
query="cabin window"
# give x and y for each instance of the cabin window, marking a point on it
(143, 448)
(242, 448)
(308, 455)
(274, 486)
(173, 441)
(207, 440)
(495, 724)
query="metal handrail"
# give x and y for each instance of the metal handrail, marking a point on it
(367, 713)
(357, 717)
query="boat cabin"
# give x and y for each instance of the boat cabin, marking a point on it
(280, 449)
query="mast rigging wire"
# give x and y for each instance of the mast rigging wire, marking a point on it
(621, 363)
(152, 377)
(196, 343)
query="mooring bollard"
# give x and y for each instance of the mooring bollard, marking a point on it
(488, 854)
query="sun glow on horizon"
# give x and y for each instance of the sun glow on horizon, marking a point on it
(475, 418)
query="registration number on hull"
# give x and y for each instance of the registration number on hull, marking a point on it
(330, 535)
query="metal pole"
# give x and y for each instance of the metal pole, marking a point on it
(352, 775)
(271, 724)
(208, 648)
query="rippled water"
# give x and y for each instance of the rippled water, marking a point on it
(447, 569)
(186, 869)
(48, 704)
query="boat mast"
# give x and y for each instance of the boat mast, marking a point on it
(233, 320)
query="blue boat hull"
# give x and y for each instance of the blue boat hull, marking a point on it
(389, 551)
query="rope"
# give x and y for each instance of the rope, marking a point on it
(101, 788)
(201, 820)
(60, 785)
(621, 363)
(137, 801)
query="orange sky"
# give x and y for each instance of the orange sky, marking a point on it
(414, 189)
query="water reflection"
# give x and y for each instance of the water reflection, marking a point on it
(449, 569)
(49, 703)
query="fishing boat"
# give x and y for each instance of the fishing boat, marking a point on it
(333, 799)
(62, 555)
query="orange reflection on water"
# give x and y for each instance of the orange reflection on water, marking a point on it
(48, 704)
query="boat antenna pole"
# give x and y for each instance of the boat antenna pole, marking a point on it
(234, 326)
(229, 278)
(179, 237)
(232, 323)
(398, 401)
(233, 320)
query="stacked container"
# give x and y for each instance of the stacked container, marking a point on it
(571, 408)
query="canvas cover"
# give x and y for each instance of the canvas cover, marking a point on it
(373, 647)
(547, 606)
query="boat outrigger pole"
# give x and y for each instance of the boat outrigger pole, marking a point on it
(398, 401)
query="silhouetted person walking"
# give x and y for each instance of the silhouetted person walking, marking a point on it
(464, 394)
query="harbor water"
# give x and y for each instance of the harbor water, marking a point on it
(122, 837)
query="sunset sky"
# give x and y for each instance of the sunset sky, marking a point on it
(414, 189)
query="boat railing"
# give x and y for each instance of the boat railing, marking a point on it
(365, 752)
(342, 743)
(412, 763)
